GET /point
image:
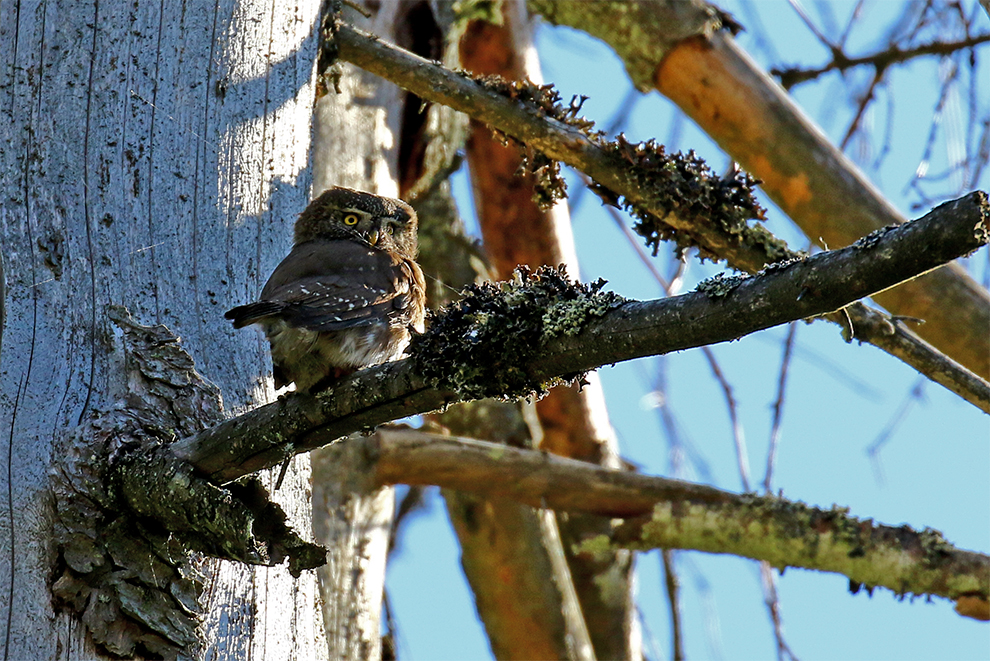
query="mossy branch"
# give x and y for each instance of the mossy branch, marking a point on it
(666, 513)
(587, 329)
(674, 197)
(791, 534)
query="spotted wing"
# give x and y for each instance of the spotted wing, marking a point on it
(326, 285)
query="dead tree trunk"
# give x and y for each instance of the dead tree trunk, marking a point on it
(151, 158)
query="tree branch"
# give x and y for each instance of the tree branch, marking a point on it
(880, 60)
(891, 335)
(669, 513)
(580, 336)
(741, 108)
(744, 247)
(721, 231)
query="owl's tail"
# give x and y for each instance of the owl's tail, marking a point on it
(252, 313)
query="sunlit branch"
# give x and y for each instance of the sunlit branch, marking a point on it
(662, 512)
(724, 310)
(560, 141)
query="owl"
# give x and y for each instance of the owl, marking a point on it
(347, 295)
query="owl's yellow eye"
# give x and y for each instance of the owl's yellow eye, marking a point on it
(351, 219)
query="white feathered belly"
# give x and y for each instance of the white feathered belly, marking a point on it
(307, 356)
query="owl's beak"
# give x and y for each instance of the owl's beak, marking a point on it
(373, 237)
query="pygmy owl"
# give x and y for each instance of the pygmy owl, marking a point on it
(348, 293)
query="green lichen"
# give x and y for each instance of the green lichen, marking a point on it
(600, 548)
(934, 546)
(482, 345)
(685, 185)
(548, 184)
(668, 183)
(720, 285)
(873, 238)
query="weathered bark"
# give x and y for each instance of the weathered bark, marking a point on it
(573, 421)
(151, 158)
(678, 52)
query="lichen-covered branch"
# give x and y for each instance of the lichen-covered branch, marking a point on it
(674, 197)
(667, 513)
(741, 108)
(574, 330)
(694, 206)
(792, 534)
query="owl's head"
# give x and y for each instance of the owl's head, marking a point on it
(344, 213)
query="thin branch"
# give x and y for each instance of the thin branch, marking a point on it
(772, 601)
(749, 250)
(682, 453)
(724, 309)
(803, 15)
(649, 637)
(768, 581)
(662, 512)
(873, 449)
(864, 101)
(778, 406)
(673, 586)
(892, 335)
(880, 60)
(738, 435)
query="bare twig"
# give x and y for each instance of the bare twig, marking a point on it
(673, 586)
(738, 435)
(768, 581)
(880, 60)
(803, 15)
(681, 449)
(772, 601)
(778, 406)
(873, 449)
(864, 101)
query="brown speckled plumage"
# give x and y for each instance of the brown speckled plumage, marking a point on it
(346, 296)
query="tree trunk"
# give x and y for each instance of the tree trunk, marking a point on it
(152, 158)
(355, 145)
(573, 421)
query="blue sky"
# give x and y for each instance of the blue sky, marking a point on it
(935, 467)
